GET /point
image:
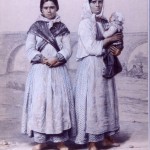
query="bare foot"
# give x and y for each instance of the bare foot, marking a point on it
(92, 146)
(39, 146)
(109, 141)
(62, 146)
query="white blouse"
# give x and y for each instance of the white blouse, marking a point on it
(87, 43)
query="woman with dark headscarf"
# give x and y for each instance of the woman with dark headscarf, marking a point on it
(96, 103)
(48, 111)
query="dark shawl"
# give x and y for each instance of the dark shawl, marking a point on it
(40, 28)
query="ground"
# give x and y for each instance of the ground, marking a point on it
(133, 103)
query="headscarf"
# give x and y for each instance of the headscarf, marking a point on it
(49, 21)
(86, 12)
(47, 30)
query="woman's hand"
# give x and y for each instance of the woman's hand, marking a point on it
(114, 38)
(52, 61)
(45, 60)
(57, 64)
(114, 50)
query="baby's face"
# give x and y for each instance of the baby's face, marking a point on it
(112, 18)
(116, 17)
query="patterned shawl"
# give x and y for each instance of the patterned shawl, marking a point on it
(48, 30)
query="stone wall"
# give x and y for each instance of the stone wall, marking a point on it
(12, 50)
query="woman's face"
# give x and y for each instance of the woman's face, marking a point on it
(96, 6)
(49, 10)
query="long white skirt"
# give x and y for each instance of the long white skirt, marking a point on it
(96, 103)
(48, 103)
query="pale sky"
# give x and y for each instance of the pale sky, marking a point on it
(18, 15)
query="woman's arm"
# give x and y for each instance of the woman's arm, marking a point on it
(116, 37)
(87, 38)
(116, 49)
(66, 50)
(33, 54)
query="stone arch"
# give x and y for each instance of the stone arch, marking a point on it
(15, 63)
(139, 56)
(131, 42)
(133, 47)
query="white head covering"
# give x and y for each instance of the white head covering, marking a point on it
(49, 21)
(86, 12)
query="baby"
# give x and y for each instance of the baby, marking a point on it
(112, 65)
(115, 25)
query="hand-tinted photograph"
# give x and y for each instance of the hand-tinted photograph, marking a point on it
(74, 74)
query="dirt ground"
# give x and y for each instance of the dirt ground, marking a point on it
(133, 103)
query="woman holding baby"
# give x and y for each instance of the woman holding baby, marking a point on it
(96, 103)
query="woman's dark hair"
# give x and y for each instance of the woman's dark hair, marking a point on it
(90, 1)
(54, 1)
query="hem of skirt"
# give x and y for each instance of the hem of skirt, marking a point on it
(98, 140)
(62, 139)
(29, 132)
(105, 132)
(53, 141)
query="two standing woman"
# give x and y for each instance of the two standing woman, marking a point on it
(49, 112)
